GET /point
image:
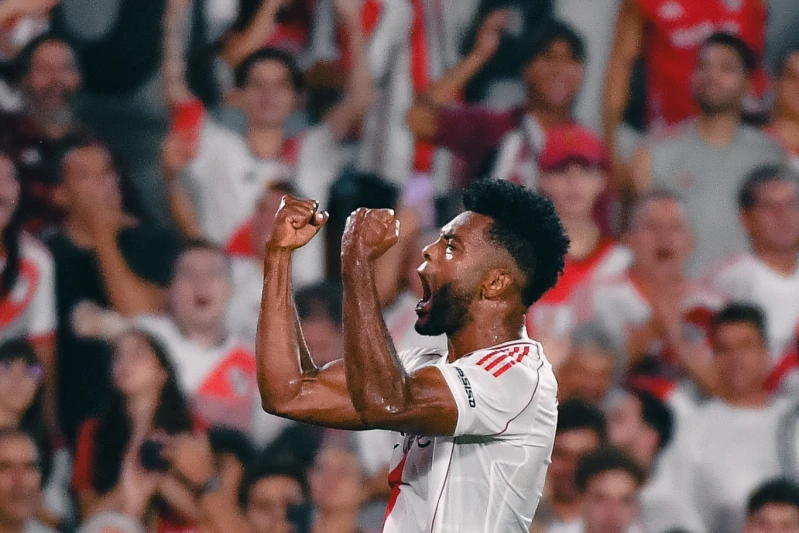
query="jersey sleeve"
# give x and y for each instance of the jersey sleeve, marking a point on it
(491, 392)
(43, 306)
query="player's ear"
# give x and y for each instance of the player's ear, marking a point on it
(497, 282)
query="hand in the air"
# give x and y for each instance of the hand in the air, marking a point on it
(490, 33)
(296, 223)
(369, 233)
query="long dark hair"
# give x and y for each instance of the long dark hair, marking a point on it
(11, 241)
(114, 428)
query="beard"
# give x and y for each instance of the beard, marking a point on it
(449, 312)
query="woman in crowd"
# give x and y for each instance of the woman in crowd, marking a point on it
(138, 458)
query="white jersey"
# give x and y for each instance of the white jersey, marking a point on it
(489, 476)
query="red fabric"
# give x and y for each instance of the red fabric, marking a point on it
(575, 272)
(572, 141)
(395, 482)
(240, 243)
(675, 29)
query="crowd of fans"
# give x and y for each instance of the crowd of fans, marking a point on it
(145, 148)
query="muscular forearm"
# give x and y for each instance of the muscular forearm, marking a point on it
(128, 293)
(281, 354)
(375, 377)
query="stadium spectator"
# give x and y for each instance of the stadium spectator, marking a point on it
(111, 522)
(215, 176)
(654, 310)
(768, 274)
(773, 508)
(707, 159)
(45, 128)
(573, 174)
(338, 489)
(21, 377)
(581, 431)
(784, 126)
(609, 483)
(138, 457)
(20, 483)
(738, 427)
(668, 37)
(319, 310)
(587, 369)
(105, 256)
(27, 284)
(504, 144)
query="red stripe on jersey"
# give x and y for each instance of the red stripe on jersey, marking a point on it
(780, 370)
(395, 482)
(497, 361)
(524, 354)
(504, 368)
(487, 357)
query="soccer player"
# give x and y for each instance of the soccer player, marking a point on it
(477, 421)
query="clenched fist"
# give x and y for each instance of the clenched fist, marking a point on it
(369, 233)
(296, 223)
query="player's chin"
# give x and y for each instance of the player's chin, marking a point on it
(424, 326)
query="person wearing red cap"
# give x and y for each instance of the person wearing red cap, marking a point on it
(573, 173)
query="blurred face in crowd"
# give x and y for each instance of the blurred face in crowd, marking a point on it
(774, 518)
(269, 95)
(337, 482)
(89, 179)
(787, 88)
(19, 382)
(136, 369)
(610, 502)
(741, 357)
(268, 503)
(553, 77)
(9, 191)
(586, 375)
(53, 79)
(574, 189)
(773, 220)
(324, 338)
(264, 218)
(570, 446)
(200, 290)
(20, 480)
(660, 237)
(720, 81)
(628, 432)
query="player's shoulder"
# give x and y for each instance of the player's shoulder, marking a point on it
(416, 358)
(499, 360)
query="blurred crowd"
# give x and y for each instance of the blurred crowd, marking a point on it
(145, 147)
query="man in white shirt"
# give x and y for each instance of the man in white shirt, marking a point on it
(768, 274)
(20, 483)
(773, 508)
(732, 445)
(478, 422)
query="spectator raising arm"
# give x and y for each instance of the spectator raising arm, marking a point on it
(422, 117)
(242, 44)
(290, 383)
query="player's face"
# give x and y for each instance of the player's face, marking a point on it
(90, 173)
(610, 503)
(787, 87)
(660, 236)
(336, 481)
(269, 501)
(574, 189)
(773, 221)
(553, 78)
(20, 480)
(200, 289)
(586, 375)
(269, 95)
(9, 191)
(135, 367)
(741, 357)
(53, 79)
(774, 518)
(720, 81)
(451, 274)
(570, 446)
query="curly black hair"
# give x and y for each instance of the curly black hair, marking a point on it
(527, 226)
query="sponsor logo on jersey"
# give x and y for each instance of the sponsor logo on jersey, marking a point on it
(467, 387)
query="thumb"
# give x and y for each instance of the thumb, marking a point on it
(320, 219)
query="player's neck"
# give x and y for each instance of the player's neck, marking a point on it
(485, 330)
(718, 129)
(781, 261)
(265, 141)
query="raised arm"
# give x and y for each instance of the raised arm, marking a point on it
(383, 393)
(242, 44)
(175, 36)
(422, 117)
(291, 385)
(626, 49)
(360, 90)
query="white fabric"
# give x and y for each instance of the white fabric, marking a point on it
(746, 277)
(489, 476)
(728, 453)
(30, 309)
